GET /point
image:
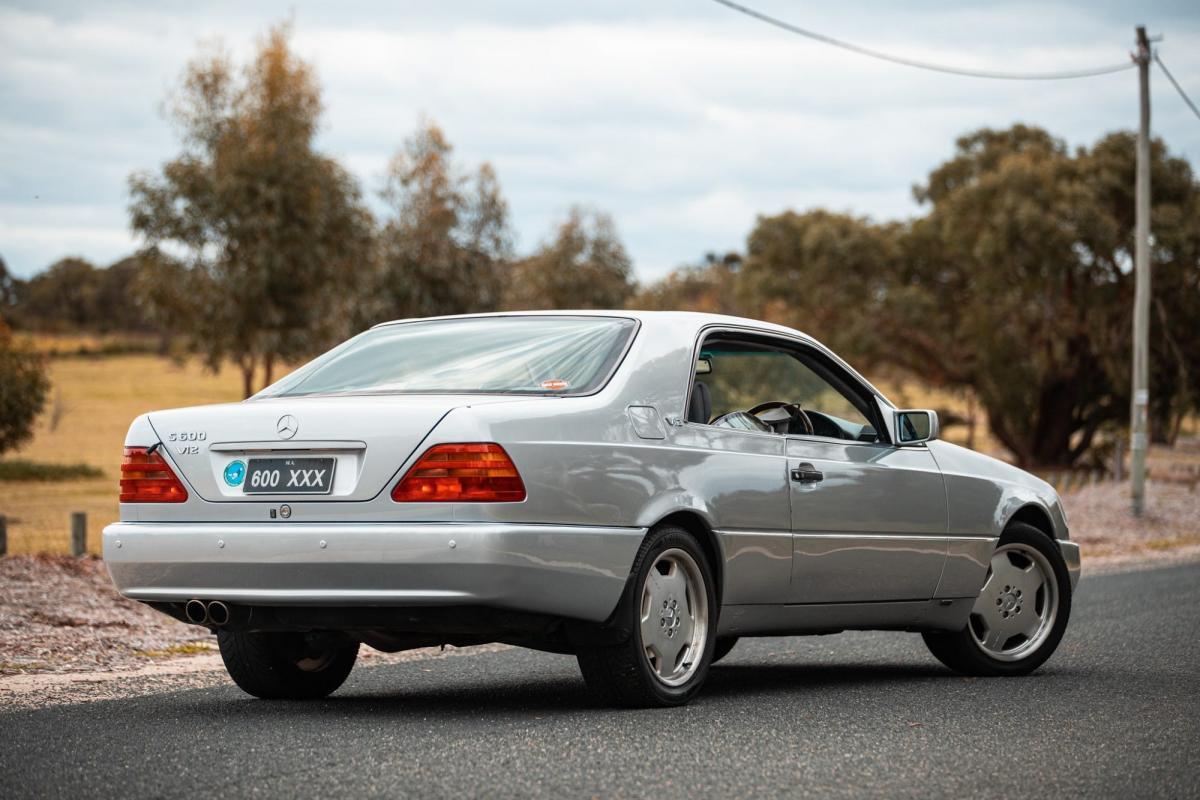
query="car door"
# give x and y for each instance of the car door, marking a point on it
(869, 519)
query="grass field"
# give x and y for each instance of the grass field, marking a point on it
(94, 398)
(91, 403)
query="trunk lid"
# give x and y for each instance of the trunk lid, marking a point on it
(368, 439)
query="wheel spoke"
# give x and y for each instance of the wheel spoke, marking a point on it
(674, 582)
(651, 628)
(992, 616)
(985, 604)
(669, 654)
(654, 585)
(686, 626)
(1030, 622)
(1029, 582)
(994, 639)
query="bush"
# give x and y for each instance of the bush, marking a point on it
(22, 470)
(23, 387)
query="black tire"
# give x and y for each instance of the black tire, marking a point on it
(620, 674)
(962, 653)
(286, 666)
(723, 647)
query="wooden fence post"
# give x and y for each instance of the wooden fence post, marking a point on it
(78, 533)
(3, 535)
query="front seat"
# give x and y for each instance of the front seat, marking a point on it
(700, 406)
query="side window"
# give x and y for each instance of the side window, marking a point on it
(789, 392)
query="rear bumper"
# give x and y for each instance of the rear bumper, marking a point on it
(1070, 551)
(561, 570)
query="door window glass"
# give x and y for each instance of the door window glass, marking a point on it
(740, 376)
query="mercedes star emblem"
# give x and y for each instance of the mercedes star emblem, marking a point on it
(287, 426)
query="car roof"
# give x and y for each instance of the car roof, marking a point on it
(698, 319)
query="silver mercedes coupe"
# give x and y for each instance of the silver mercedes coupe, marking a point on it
(636, 489)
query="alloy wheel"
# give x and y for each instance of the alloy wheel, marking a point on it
(1017, 606)
(674, 617)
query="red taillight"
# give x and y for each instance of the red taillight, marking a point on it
(466, 473)
(147, 478)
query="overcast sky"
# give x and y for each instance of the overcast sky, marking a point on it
(681, 118)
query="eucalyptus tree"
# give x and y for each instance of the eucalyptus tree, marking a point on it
(582, 265)
(445, 245)
(272, 235)
(1017, 284)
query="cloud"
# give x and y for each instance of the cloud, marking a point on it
(680, 118)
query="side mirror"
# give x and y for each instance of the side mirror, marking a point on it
(915, 426)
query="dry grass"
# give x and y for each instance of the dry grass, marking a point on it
(179, 649)
(97, 399)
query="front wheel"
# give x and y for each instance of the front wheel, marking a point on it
(670, 610)
(725, 645)
(286, 666)
(1021, 613)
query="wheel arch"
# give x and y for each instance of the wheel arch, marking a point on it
(1035, 516)
(695, 524)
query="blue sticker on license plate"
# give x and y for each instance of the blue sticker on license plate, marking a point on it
(289, 476)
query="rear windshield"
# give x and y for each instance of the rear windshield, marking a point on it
(492, 355)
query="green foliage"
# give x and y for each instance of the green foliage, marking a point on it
(23, 387)
(274, 233)
(23, 470)
(583, 266)
(709, 286)
(821, 272)
(74, 295)
(445, 248)
(1017, 284)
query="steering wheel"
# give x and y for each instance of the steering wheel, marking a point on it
(794, 411)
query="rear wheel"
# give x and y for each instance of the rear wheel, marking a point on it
(670, 610)
(286, 666)
(1021, 613)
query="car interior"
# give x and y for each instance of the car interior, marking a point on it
(752, 384)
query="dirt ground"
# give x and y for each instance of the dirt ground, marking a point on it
(67, 636)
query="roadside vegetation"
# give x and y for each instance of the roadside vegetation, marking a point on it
(1005, 304)
(20, 469)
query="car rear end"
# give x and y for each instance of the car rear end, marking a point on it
(358, 495)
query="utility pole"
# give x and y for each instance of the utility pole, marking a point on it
(1139, 411)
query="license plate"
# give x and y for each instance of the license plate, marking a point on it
(289, 476)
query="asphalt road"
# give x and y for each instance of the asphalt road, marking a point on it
(1116, 713)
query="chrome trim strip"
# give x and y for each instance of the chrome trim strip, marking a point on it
(267, 447)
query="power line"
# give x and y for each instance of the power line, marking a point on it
(1178, 88)
(908, 62)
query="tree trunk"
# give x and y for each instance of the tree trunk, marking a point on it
(269, 369)
(246, 365)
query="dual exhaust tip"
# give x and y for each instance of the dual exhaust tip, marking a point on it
(215, 613)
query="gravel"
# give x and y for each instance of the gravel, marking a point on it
(1100, 520)
(62, 614)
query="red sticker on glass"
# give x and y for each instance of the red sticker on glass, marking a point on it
(554, 384)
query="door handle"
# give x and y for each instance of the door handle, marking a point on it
(807, 473)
